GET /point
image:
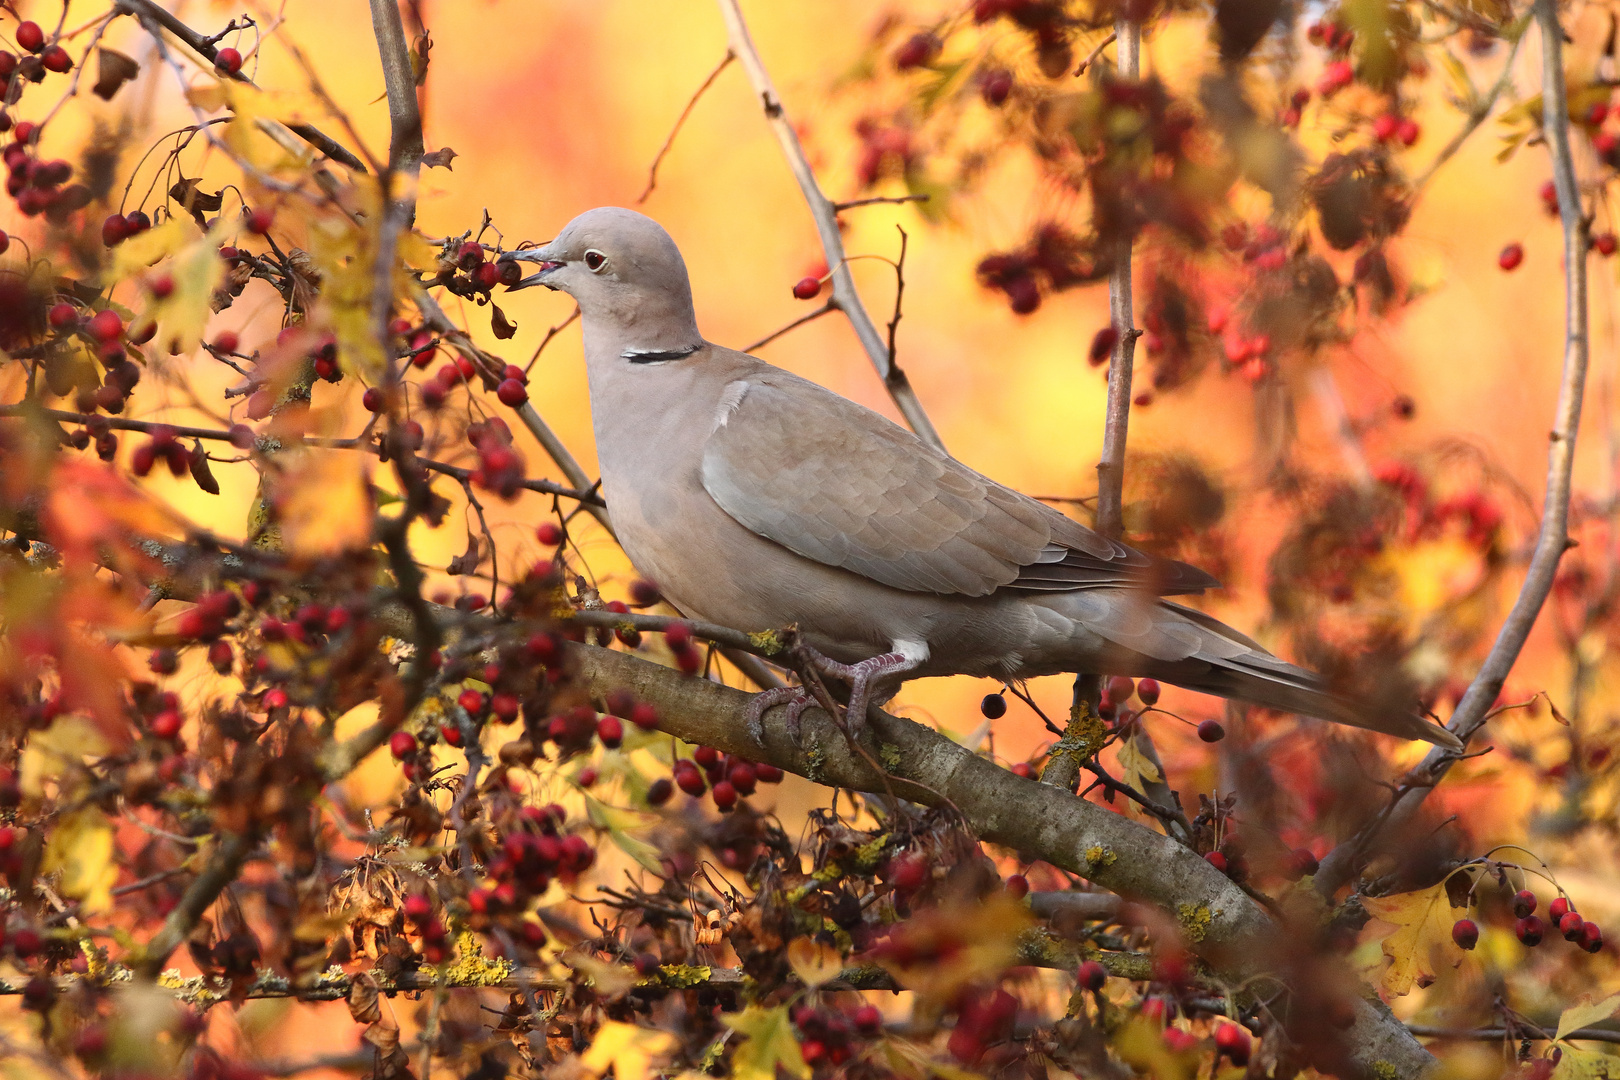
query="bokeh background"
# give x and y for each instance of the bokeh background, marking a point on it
(556, 106)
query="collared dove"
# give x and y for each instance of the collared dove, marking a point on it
(757, 500)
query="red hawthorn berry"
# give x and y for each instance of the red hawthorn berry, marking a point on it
(1102, 346)
(1597, 113)
(610, 729)
(508, 272)
(1023, 294)
(1465, 932)
(1017, 886)
(8, 65)
(226, 342)
(1302, 863)
(743, 777)
(56, 59)
(452, 735)
(1570, 925)
(511, 393)
(486, 277)
(62, 315)
(1604, 243)
(1024, 769)
(373, 400)
(1591, 937)
(166, 724)
(163, 662)
(917, 50)
(1557, 908)
(689, 778)
(1524, 903)
(30, 36)
(549, 533)
(1529, 930)
(275, 699)
(136, 222)
(1408, 131)
(678, 635)
(768, 774)
(505, 707)
(161, 286)
(470, 255)
(587, 776)
(1147, 691)
(473, 701)
(1092, 976)
(659, 792)
(402, 744)
(228, 60)
(1211, 732)
(221, 657)
(1233, 1041)
(1217, 860)
(996, 86)
(260, 219)
(868, 1020)
(1385, 126)
(909, 872)
(807, 288)
(105, 325)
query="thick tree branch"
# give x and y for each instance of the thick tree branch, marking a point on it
(1553, 539)
(1221, 923)
(404, 112)
(222, 869)
(844, 295)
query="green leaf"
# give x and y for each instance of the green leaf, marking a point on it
(618, 823)
(769, 1043)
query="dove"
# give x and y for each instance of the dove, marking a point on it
(760, 500)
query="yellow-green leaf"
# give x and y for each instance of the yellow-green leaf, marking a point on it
(1421, 931)
(768, 1043)
(618, 823)
(1584, 1015)
(628, 1049)
(81, 851)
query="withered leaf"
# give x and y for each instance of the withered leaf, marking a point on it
(200, 472)
(498, 322)
(467, 561)
(363, 1006)
(113, 70)
(419, 58)
(439, 159)
(197, 203)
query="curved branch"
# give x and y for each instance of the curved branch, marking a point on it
(1553, 539)
(1223, 925)
(844, 294)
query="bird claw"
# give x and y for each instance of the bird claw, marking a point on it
(796, 698)
(863, 679)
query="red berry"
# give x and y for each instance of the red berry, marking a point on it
(56, 59)
(807, 288)
(610, 729)
(135, 222)
(1524, 903)
(505, 707)
(725, 796)
(659, 792)
(260, 220)
(1302, 862)
(1385, 126)
(1217, 860)
(452, 734)
(1511, 257)
(166, 724)
(228, 60)
(1102, 346)
(1092, 976)
(373, 400)
(689, 778)
(1529, 930)
(1233, 1041)
(402, 744)
(1570, 925)
(1591, 937)
(549, 533)
(63, 315)
(1465, 932)
(105, 325)
(768, 774)
(743, 777)
(275, 699)
(1211, 732)
(226, 342)
(470, 255)
(644, 716)
(1408, 132)
(1148, 692)
(1017, 886)
(487, 276)
(30, 36)
(1605, 243)
(511, 393)
(1024, 769)
(1597, 113)
(161, 286)
(917, 51)
(868, 1020)
(909, 872)
(706, 756)
(1557, 908)
(996, 86)
(587, 776)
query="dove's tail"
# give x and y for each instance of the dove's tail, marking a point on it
(1190, 649)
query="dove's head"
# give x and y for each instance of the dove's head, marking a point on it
(627, 276)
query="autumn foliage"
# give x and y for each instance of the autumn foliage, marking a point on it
(352, 754)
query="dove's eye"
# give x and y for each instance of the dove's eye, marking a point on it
(594, 261)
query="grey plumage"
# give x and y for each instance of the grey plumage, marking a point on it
(757, 499)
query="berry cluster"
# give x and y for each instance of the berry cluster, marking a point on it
(829, 1036)
(726, 778)
(466, 272)
(1529, 928)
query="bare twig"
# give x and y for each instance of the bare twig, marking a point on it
(873, 200)
(1477, 115)
(1091, 57)
(1553, 539)
(222, 869)
(899, 291)
(553, 332)
(658, 159)
(794, 325)
(198, 44)
(844, 296)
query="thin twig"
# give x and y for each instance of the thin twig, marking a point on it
(1553, 538)
(1477, 115)
(845, 297)
(795, 324)
(1518, 1031)
(658, 159)
(873, 200)
(553, 332)
(899, 291)
(1091, 57)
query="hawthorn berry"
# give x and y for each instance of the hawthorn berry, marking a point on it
(1211, 732)
(228, 60)
(1017, 886)
(644, 716)
(916, 51)
(1102, 346)
(1092, 976)
(1217, 860)
(105, 325)
(1147, 691)
(30, 36)
(689, 778)
(743, 777)
(511, 393)
(55, 58)
(868, 1020)
(1591, 937)
(996, 86)
(61, 315)
(724, 795)
(1024, 769)
(373, 400)
(659, 792)
(136, 222)
(1557, 908)
(806, 288)
(1605, 243)
(768, 774)
(610, 729)
(402, 744)
(1524, 903)
(993, 706)
(260, 219)
(1233, 1042)
(1465, 932)
(1570, 925)
(1385, 126)
(1529, 930)
(1511, 256)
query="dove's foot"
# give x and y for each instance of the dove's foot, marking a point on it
(863, 678)
(796, 698)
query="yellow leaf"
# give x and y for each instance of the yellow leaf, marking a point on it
(1140, 1044)
(814, 962)
(1584, 1065)
(628, 1049)
(618, 823)
(769, 1044)
(323, 503)
(988, 933)
(81, 850)
(196, 271)
(49, 753)
(1587, 1014)
(1139, 770)
(1422, 924)
(608, 980)
(143, 249)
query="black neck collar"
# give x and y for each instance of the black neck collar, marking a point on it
(658, 356)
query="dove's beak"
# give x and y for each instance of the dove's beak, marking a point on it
(536, 255)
